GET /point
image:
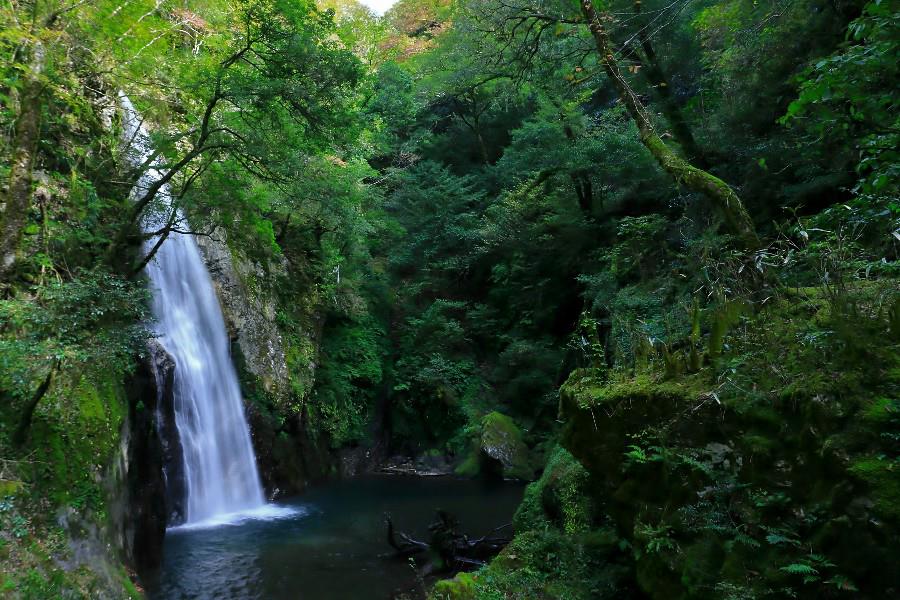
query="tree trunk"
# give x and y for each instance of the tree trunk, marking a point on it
(581, 180)
(475, 124)
(21, 432)
(14, 214)
(725, 200)
(584, 191)
(482, 147)
(475, 128)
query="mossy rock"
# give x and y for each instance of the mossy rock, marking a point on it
(584, 390)
(499, 450)
(600, 416)
(461, 587)
(75, 430)
(545, 565)
(560, 498)
(744, 482)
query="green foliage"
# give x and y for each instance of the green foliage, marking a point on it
(349, 380)
(393, 108)
(847, 96)
(881, 475)
(450, 199)
(94, 319)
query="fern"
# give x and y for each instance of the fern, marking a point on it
(777, 538)
(743, 538)
(842, 583)
(799, 569)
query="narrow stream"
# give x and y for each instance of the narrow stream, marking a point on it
(329, 545)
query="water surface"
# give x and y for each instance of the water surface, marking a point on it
(326, 544)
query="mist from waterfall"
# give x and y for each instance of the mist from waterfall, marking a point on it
(221, 477)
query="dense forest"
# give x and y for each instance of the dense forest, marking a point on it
(642, 254)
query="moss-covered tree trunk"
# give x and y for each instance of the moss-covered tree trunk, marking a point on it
(725, 200)
(14, 214)
(656, 77)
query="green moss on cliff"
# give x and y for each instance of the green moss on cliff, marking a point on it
(73, 437)
(764, 462)
(548, 565)
(559, 499)
(60, 479)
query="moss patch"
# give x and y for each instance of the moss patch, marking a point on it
(73, 437)
(559, 499)
(461, 587)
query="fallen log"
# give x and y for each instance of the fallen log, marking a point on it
(407, 546)
(448, 550)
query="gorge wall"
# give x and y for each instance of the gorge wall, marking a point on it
(275, 346)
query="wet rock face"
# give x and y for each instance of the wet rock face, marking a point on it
(249, 314)
(140, 510)
(288, 454)
(162, 366)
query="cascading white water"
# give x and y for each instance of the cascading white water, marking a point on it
(219, 465)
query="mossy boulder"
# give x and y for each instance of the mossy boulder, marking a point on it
(559, 499)
(498, 450)
(775, 476)
(602, 423)
(461, 587)
(546, 565)
(561, 549)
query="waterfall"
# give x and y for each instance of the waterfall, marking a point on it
(220, 471)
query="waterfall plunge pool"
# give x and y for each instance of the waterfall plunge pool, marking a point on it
(323, 545)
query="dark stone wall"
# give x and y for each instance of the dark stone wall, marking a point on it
(289, 456)
(149, 497)
(162, 366)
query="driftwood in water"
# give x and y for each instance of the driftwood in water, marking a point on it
(448, 549)
(407, 546)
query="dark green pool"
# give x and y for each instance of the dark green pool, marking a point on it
(328, 546)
